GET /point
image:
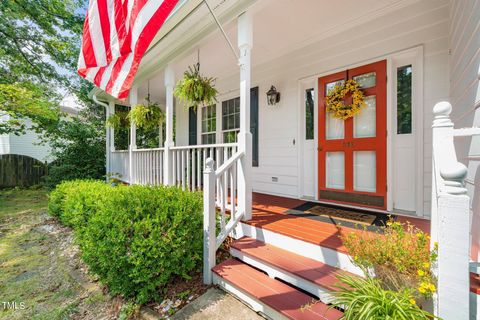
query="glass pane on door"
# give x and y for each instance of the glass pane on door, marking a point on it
(365, 123)
(366, 80)
(365, 171)
(334, 128)
(335, 170)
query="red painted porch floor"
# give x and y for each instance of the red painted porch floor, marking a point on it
(269, 213)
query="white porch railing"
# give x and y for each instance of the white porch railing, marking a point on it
(188, 162)
(450, 220)
(148, 166)
(119, 163)
(220, 187)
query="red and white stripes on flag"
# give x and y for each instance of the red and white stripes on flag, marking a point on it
(116, 35)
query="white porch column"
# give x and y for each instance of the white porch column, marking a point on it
(450, 220)
(167, 163)
(108, 138)
(111, 130)
(245, 42)
(133, 136)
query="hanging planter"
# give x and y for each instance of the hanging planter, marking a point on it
(195, 90)
(335, 100)
(147, 116)
(118, 120)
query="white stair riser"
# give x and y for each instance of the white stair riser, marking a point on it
(274, 272)
(313, 251)
(246, 298)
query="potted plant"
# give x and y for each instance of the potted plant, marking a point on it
(194, 89)
(148, 116)
(398, 256)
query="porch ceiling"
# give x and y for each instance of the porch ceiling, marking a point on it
(280, 27)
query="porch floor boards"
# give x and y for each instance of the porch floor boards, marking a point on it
(269, 213)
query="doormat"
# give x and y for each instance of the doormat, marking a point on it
(337, 216)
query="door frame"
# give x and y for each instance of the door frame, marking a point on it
(417, 56)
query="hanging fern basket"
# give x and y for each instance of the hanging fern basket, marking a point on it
(195, 90)
(147, 116)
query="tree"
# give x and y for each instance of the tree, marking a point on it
(78, 145)
(39, 43)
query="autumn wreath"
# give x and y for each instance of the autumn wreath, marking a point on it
(335, 100)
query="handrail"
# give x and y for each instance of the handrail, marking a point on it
(148, 149)
(230, 162)
(203, 146)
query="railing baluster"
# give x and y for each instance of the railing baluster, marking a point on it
(188, 170)
(199, 178)
(194, 170)
(183, 171)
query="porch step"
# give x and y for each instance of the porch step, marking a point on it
(271, 297)
(316, 250)
(310, 275)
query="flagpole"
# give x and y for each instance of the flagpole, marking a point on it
(221, 29)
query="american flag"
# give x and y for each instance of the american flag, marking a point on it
(116, 35)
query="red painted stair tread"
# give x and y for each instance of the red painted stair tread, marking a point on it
(305, 268)
(277, 295)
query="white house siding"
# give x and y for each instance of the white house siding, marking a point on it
(4, 138)
(424, 23)
(465, 97)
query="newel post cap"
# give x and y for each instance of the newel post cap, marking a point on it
(441, 114)
(209, 165)
(454, 177)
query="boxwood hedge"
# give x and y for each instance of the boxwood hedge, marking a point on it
(135, 238)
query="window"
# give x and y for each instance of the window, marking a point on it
(309, 115)
(404, 100)
(209, 124)
(230, 120)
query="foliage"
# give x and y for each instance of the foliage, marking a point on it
(194, 89)
(26, 101)
(364, 298)
(38, 46)
(73, 202)
(135, 238)
(399, 253)
(335, 100)
(118, 120)
(148, 116)
(78, 145)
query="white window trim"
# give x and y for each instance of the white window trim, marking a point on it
(201, 124)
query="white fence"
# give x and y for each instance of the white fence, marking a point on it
(119, 163)
(450, 221)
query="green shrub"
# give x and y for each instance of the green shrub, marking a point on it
(57, 197)
(366, 299)
(74, 201)
(137, 238)
(83, 200)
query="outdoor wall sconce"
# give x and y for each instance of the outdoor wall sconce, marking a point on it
(273, 96)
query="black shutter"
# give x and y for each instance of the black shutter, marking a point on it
(254, 124)
(192, 127)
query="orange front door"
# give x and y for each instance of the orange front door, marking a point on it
(352, 153)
